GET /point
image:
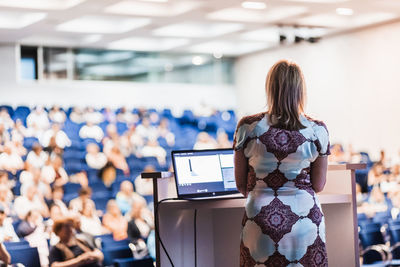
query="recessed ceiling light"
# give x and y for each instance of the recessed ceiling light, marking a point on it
(92, 38)
(41, 4)
(217, 55)
(258, 16)
(151, 9)
(254, 5)
(18, 20)
(198, 60)
(102, 24)
(198, 29)
(270, 35)
(344, 11)
(148, 44)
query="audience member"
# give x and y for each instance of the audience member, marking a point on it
(146, 130)
(153, 149)
(85, 194)
(5, 257)
(140, 222)
(57, 115)
(90, 222)
(5, 119)
(37, 157)
(126, 196)
(109, 115)
(6, 197)
(53, 172)
(165, 132)
(77, 115)
(55, 134)
(43, 189)
(38, 120)
(92, 116)
(114, 221)
(30, 201)
(337, 154)
(57, 195)
(204, 141)
(144, 187)
(126, 116)
(32, 229)
(7, 232)
(118, 160)
(70, 251)
(94, 158)
(10, 160)
(223, 140)
(91, 130)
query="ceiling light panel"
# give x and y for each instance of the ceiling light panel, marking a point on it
(41, 4)
(257, 16)
(151, 9)
(18, 20)
(102, 24)
(148, 44)
(254, 5)
(198, 29)
(229, 48)
(337, 21)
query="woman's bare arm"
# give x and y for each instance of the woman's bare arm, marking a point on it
(318, 173)
(241, 170)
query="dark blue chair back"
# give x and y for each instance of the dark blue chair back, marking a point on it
(147, 262)
(26, 255)
(111, 254)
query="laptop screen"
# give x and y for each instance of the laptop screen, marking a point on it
(202, 173)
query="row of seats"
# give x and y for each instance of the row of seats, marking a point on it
(116, 253)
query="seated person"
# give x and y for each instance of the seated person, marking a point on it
(153, 149)
(30, 201)
(32, 229)
(53, 172)
(204, 141)
(60, 137)
(6, 197)
(77, 115)
(164, 131)
(5, 119)
(146, 130)
(37, 157)
(118, 160)
(5, 258)
(223, 141)
(114, 221)
(57, 115)
(10, 160)
(91, 130)
(38, 120)
(57, 194)
(76, 204)
(92, 116)
(126, 196)
(70, 251)
(42, 188)
(140, 222)
(126, 116)
(144, 187)
(94, 158)
(89, 221)
(7, 232)
(109, 115)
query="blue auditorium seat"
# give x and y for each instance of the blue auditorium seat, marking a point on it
(371, 237)
(147, 262)
(101, 203)
(111, 254)
(29, 141)
(111, 243)
(20, 244)
(26, 255)
(70, 188)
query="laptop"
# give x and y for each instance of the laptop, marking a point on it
(205, 174)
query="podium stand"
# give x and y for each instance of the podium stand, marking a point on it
(219, 223)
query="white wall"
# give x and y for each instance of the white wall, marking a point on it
(353, 83)
(117, 94)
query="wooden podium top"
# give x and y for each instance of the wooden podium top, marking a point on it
(346, 166)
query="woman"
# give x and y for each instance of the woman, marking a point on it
(70, 251)
(114, 221)
(90, 222)
(280, 163)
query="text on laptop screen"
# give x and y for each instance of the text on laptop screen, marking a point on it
(206, 172)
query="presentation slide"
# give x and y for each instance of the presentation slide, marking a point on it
(226, 160)
(200, 169)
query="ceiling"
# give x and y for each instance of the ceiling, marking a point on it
(228, 27)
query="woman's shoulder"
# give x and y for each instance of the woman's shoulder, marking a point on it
(314, 122)
(251, 119)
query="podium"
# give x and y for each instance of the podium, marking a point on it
(218, 223)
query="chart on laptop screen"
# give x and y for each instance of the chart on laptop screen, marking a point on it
(206, 171)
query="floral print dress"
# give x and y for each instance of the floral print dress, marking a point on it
(283, 224)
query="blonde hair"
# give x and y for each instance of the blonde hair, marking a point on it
(285, 88)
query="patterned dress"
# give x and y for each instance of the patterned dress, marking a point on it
(283, 224)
